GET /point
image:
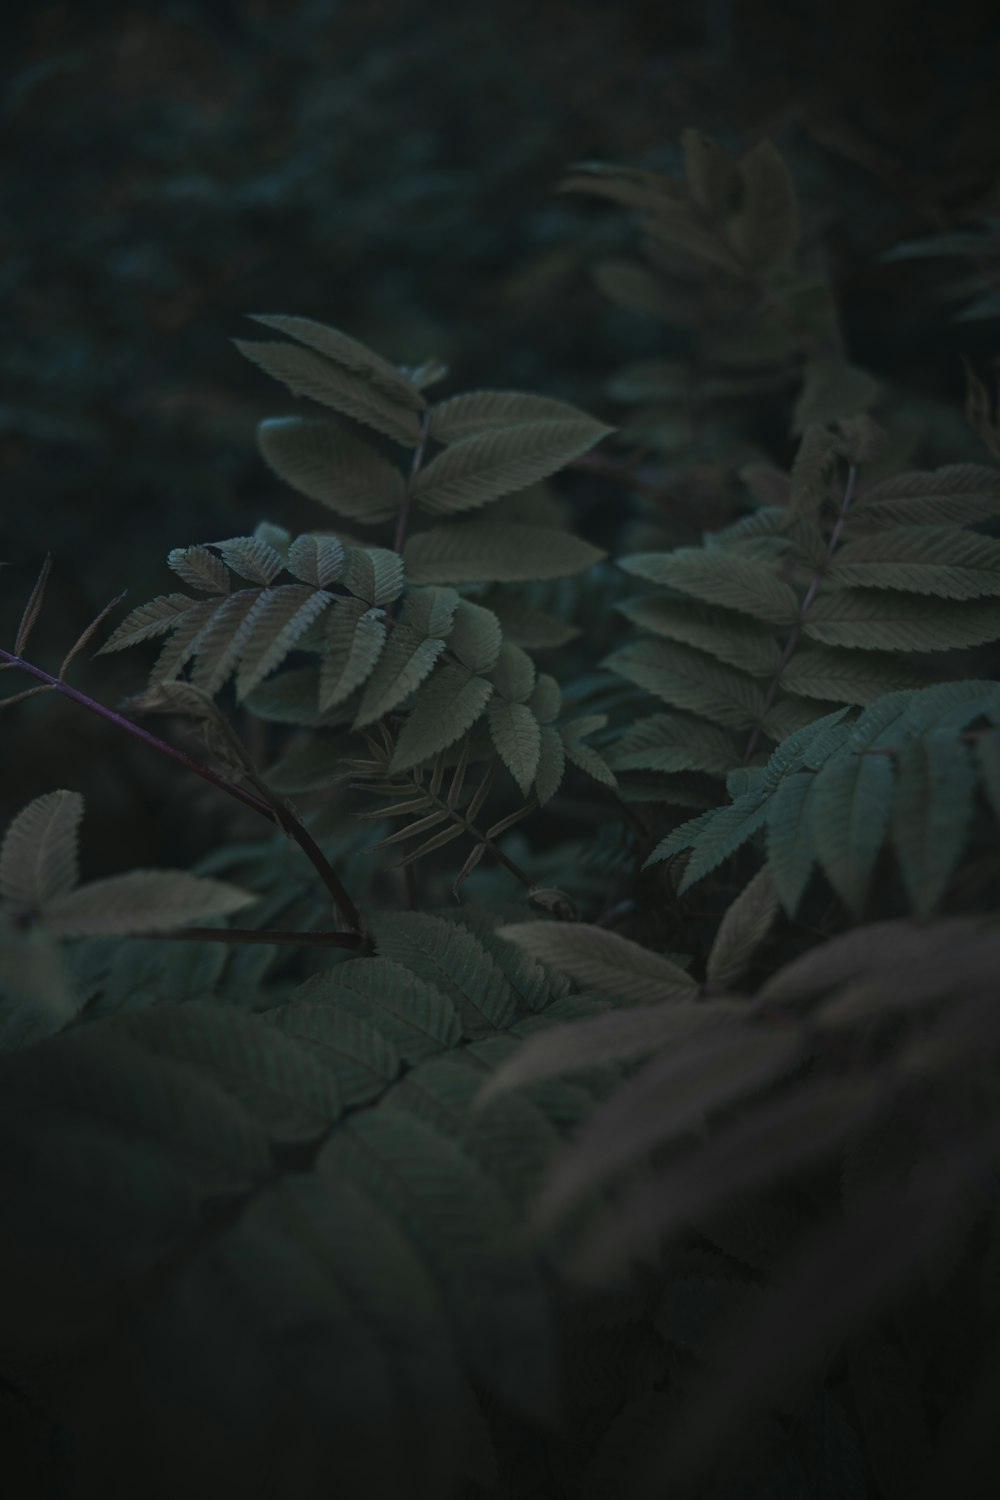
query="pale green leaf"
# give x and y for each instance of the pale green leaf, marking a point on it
(251, 557)
(308, 374)
(489, 552)
(374, 574)
(316, 559)
(744, 927)
(348, 352)
(688, 679)
(321, 459)
(475, 412)
(478, 469)
(448, 704)
(281, 617)
(931, 815)
(200, 569)
(155, 618)
(141, 901)
(517, 737)
(39, 858)
(602, 960)
(354, 639)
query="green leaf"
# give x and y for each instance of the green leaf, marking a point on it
(476, 412)
(851, 808)
(308, 374)
(517, 737)
(141, 901)
(713, 175)
(551, 764)
(744, 927)
(352, 644)
(475, 636)
(738, 643)
(348, 352)
(463, 1230)
(791, 843)
(720, 577)
(155, 618)
(374, 574)
(200, 569)
(489, 552)
(452, 960)
(833, 389)
(955, 494)
(588, 760)
(430, 611)
(766, 231)
(321, 459)
(545, 700)
(529, 627)
(414, 1015)
(936, 560)
(687, 679)
(513, 674)
(813, 470)
(728, 831)
(278, 619)
(448, 705)
(931, 815)
(895, 622)
(675, 742)
(39, 859)
(276, 1081)
(316, 559)
(602, 960)
(843, 676)
(407, 659)
(476, 470)
(361, 1059)
(251, 557)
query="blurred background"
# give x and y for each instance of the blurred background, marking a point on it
(389, 168)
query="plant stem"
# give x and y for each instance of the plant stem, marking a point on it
(418, 458)
(804, 608)
(282, 816)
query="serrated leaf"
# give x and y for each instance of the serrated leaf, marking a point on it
(488, 552)
(955, 493)
(874, 621)
(280, 618)
(141, 901)
(931, 814)
(551, 764)
(184, 633)
(744, 927)
(688, 679)
(452, 960)
(750, 647)
(529, 627)
(513, 673)
(362, 1060)
(321, 459)
(791, 846)
(348, 352)
(851, 808)
(251, 557)
(936, 560)
(476, 412)
(602, 960)
(545, 700)
(39, 859)
(430, 610)
(407, 659)
(833, 389)
(675, 742)
(149, 620)
(588, 760)
(416, 1016)
(374, 574)
(308, 374)
(463, 1230)
(475, 636)
(217, 646)
(728, 830)
(766, 230)
(316, 559)
(843, 676)
(448, 705)
(275, 1081)
(812, 470)
(517, 737)
(476, 470)
(353, 642)
(720, 577)
(200, 569)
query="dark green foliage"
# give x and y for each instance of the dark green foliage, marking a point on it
(590, 1087)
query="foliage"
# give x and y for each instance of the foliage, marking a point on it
(590, 1154)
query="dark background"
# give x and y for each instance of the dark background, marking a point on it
(389, 168)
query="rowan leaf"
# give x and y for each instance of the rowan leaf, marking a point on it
(602, 960)
(321, 459)
(491, 552)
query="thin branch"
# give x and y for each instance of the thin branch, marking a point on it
(404, 509)
(277, 814)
